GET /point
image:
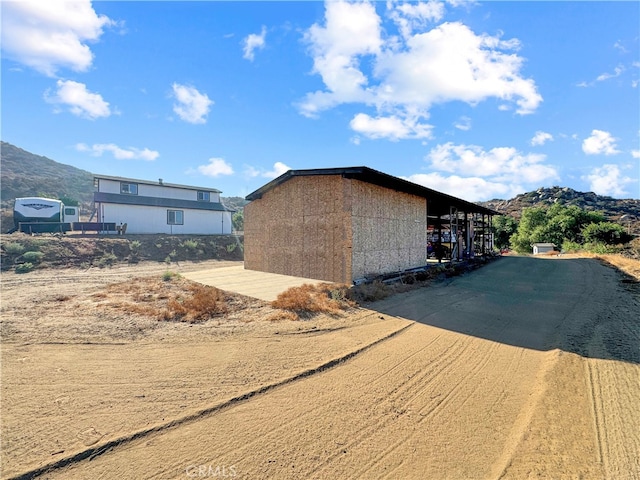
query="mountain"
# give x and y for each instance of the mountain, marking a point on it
(27, 175)
(614, 209)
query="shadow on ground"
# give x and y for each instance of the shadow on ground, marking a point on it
(576, 305)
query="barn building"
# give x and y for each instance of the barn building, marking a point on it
(347, 224)
(148, 207)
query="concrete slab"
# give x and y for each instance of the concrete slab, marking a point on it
(262, 285)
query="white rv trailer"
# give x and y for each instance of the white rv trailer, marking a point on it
(43, 210)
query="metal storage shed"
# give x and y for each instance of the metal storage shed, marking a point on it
(541, 248)
(342, 224)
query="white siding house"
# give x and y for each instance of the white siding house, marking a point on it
(157, 207)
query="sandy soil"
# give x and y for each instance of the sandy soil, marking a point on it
(526, 368)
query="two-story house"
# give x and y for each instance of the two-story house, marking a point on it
(148, 207)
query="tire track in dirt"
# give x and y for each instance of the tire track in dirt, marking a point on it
(94, 452)
(304, 430)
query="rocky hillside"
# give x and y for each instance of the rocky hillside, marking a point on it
(614, 209)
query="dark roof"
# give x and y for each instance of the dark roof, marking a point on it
(438, 203)
(156, 183)
(117, 198)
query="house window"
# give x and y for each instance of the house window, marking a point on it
(175, 217)
(204, 197)
(129, 188)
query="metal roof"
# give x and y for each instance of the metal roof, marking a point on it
(438, 203)
(156, 183)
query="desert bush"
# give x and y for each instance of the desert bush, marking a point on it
(203, 303)
(24, 267)
(168, 276)
(13, 248)
(327, 298)
(107, 260)
(190, 244)
(33, 257)
(370, 292)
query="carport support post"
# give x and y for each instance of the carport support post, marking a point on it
(439, 244)
(466, 234)
(484, 234)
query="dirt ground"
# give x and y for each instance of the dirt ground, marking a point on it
(525, 368)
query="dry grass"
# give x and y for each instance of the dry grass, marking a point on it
(371, 292)
(629, 266)
(204, 303)
(309, 299)
(170, 300)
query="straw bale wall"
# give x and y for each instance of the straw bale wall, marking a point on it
(389, 230)
(300, 228)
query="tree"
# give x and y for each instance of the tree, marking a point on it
(504, 227)
(605, 232)
(238, 221)
(68, 201)
(556, 224)
(530, 229)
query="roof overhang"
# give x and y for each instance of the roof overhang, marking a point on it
(438, 203)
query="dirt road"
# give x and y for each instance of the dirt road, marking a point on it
(526, 368)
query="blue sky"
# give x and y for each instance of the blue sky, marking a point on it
(478, 100)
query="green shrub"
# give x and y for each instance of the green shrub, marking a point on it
(33, 257)
(107, 259)
(569, 246)
(168, 276)
(13, 248)
(231, 247)
(24, 267)
(190, 244)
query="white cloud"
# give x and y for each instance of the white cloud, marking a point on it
(472, 189)
(411, 16)
(504, 164)
(540, 138)
(48, 35)
(351, 30)
(253, 42)
(78, 100)
(608, 180)
(278, 169)
(470, 172)
(402, 77)
(606, 76)
(191, 105)
(215, 168)
(635, 153)
(617, 71)
(600, 143)
(619, 46)
(129, 153)
(464, 124)
(394, 128)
